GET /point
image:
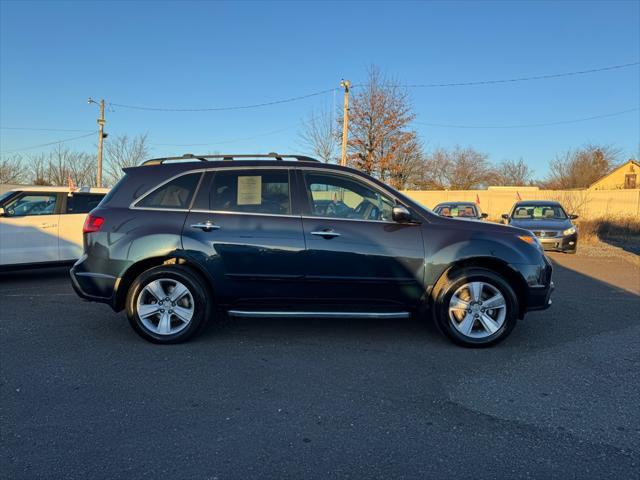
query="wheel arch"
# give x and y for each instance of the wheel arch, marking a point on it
(124, 282)
(515, 279)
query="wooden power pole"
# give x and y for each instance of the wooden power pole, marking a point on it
(101, 137)
(346, 84)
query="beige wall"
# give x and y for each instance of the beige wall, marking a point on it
(586, 203)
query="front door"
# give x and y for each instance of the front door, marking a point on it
(29, 229)
(357, 256)
(243, 227)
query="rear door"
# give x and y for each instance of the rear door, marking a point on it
(357, 256)
(72, 217)
(243, 227)
(29, 228)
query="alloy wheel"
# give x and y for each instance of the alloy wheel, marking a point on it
(477, 310)
(165, 306)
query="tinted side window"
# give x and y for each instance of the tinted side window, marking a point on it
(83, 202)
(342, 197)
(29, 204)
(175, 194)
(259, 191)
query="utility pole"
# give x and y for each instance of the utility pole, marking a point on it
(346, 84)
(101, 137)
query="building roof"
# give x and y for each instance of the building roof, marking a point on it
(615, 170)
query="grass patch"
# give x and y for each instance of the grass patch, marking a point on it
(618, 230)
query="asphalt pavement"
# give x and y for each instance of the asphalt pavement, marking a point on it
(83, 397)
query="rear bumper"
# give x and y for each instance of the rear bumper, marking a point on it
(96, 287)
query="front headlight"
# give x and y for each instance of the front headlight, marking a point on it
(569, 231)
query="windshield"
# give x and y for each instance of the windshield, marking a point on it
(539, 212)
(5, 195)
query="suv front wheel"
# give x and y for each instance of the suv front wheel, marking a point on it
(476, 307)
(167, 304)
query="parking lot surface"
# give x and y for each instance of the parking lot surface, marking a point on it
(83, 397)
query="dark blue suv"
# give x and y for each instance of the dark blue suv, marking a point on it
(181, 240)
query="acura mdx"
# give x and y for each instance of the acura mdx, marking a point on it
(181, 240)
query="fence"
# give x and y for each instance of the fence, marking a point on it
(586, 203)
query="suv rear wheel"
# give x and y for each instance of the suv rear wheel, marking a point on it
(476, 307)
(167, 304)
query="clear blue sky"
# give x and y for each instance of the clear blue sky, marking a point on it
(53, 55)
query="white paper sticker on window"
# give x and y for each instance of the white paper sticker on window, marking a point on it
(250, 190)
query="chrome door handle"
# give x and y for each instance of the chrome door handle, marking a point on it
(206, 226)
(48, 225)
(326, 233)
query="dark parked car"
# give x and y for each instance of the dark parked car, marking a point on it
(464, 210)
(549, 223)
(176, 243)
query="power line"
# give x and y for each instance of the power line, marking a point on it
(48, 144)
(221, 109)
(43, 129)
(521, 79)
(422, 85)
(530, 125)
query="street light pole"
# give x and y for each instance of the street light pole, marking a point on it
(346, 84)
(101, 137)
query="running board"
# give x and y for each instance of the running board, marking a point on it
(280, 314)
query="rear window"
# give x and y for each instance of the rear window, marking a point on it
(457, 211)
(83, 202)
(176, 193)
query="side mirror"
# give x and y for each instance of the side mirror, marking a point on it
(400, 214)
(1, 212)
(505, 216)
(484, 215)
(573, 217)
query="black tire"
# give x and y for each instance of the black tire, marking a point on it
(456, 280)
(201, 303)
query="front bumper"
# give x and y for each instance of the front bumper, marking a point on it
(560, 244)
(539, 298)
(540, 285)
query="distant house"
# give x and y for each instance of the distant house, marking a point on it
(626, 176)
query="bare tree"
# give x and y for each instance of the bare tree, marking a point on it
(456, 169)
(65, 164)
(60, 165)
(320, 137)
(581, 167)
(379, 116)
(514, 173)
(122, 152)
(39, 170)
(12, 170)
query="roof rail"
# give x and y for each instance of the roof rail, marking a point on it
(229, 156)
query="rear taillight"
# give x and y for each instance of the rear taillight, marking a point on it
(92, 224)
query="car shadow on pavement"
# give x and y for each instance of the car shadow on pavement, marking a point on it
(31, 274)
(583, 307)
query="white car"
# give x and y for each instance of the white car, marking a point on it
(44, 224)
